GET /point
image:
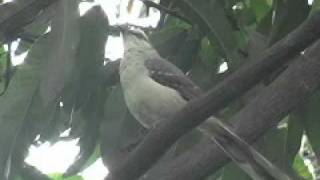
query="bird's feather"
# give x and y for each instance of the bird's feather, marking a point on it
(169, 75)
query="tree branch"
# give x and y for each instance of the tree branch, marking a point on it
(12, 24)
(289, 90)
(195, 112)
(161, 8)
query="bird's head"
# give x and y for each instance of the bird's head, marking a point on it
(134, 37)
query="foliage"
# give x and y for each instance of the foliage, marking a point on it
(60, 177)
(66, 65)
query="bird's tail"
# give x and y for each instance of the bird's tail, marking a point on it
(239, 151)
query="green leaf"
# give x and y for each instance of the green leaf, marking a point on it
(204, 72)
(20, 102)
(94, 27)
(212, 19)
(315, 7)
(294, 137)
(6, 10)
(3, 61)
(33, 31)
(92, 114)
(93, 158)
(310, 116)
(203, 75)
(119, 132)
(186, 55)
(260, 8)
(31, 173)
(61, 57)
(177, 45)
(35, 120)
(288, 15)
(15, 15)
(55, 126)
(167, 39)
(209, 54)
(232, 171)
(58, 176)
(301, 168)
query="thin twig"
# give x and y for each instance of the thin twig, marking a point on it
(161, 8)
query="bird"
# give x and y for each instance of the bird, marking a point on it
(155, 89)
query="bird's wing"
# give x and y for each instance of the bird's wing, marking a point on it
(169, 75)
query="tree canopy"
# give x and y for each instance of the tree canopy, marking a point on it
(267, 92)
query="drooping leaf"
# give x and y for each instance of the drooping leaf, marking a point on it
(2, 63)
(260, 8)
(92, 115)
(180, 45)
(89, 55)
(35, 120)
(6, 10)
(310, 115)
(265, 25)
(93, 158)
(315, 7)
(301, 168)
(57, 176)
(88, 92)
(119, 131)
(242, 15)
(9, 70)
(204, 71)
(232, 171)
(21, 99)
(212, 19)
(288, 15)
(294, 137)
(15, 15)
(274, 146)
(57, 124)
(33, 31)
(167, 39)
(61, 57)
(188, 51)
(31, 173)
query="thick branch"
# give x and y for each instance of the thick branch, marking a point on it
(289, 90)
(21, 16)
(166, 133)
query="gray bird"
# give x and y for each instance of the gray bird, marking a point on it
(154, 90)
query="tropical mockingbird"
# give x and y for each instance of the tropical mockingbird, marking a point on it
(154, 90)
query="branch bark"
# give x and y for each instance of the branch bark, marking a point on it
(11, 25)
(166, 133)
(289, 90)
(161, 8)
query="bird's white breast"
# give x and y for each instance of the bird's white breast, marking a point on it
(148, 101)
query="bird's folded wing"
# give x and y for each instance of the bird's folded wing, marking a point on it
(169, 75)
